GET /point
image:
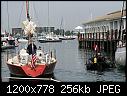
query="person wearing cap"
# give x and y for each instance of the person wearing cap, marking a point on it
(100, 59)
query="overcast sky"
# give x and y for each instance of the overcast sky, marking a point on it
(74, 13)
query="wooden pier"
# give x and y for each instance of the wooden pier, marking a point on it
(105, 41)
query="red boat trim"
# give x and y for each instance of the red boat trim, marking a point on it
(34, 72)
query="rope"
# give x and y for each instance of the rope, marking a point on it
(48, 14)
(8, 17)
(36, 13)
(37, 19)
(20, 15)
(8, 30)
(48, 28)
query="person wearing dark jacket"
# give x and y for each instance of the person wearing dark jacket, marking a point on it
(31, 49)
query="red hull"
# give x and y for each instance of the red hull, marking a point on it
(34, 72)
(26, 70)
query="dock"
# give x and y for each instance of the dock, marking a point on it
(103, 34)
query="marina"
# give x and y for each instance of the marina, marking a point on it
(70, 66)
(95, 51)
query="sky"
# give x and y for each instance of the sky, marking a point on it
(64, 14)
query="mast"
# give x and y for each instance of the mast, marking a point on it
(28, 18)
(27, 11)
(61, 26)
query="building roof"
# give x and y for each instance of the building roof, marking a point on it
(109, 16)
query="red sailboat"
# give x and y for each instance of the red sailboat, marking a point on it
(34, 65)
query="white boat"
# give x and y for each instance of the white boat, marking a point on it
(120, 56)
(35, 64)
(41, 39)
(66, 37)
(7, 38)
(22, 40)
(51, 37)
(7, 41)
(5, 45)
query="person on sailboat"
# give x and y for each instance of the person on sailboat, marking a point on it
(31, 48)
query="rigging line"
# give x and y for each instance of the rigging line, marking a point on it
(2, 21)
(8, 17)
(48, 14)
(48, 27)
(20, 15)
(8, 28)
(36, 13)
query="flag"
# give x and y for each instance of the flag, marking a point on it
(33, 60)
(95, 47)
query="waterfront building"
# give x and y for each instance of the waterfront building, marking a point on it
(104, 24)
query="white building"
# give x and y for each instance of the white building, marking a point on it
(108, 22)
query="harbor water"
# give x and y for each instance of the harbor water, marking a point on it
(70, 65)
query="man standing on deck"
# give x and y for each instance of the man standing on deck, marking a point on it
(31, 50)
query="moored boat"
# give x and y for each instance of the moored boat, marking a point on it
(51, 37)
(35, 64)
(120, 56)
(42, 39)
(20, 66)
(120, 53)
(22, 40)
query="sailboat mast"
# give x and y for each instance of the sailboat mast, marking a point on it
(28, 17)
(27, 10)
(61, 26)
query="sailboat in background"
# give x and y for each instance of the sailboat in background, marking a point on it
(120, 54)
(62, 35)
(7, 41)
(22, 64)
